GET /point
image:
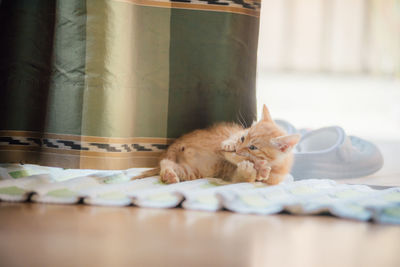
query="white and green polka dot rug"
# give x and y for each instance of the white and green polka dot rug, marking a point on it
(114, 188)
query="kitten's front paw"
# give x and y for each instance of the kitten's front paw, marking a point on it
(247, 171)
(263, 170)
(168, 176)
(228, 145)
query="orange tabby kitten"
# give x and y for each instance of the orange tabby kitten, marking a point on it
(267, 144)
(227, 150)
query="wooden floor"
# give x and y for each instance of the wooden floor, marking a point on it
(78, 235)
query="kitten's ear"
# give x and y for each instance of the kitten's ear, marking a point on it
(285, 143)
(265, 114)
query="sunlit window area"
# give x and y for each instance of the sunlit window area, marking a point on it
(324, 63)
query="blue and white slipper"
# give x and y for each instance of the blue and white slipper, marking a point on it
(329, 153)
(289, 128)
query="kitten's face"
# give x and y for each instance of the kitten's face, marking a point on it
(266, 141)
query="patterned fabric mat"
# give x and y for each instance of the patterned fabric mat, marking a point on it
(113, 188)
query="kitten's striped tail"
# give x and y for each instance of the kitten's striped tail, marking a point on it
(149, 173)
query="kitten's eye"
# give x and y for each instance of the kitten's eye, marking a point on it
(252, 147)
(242, 139)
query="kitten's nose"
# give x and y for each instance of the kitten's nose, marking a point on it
(241, 152)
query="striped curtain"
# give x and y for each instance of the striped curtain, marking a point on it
(108, 84)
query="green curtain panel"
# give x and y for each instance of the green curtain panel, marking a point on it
(108, 84)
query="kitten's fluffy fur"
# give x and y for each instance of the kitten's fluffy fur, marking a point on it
(227, 150)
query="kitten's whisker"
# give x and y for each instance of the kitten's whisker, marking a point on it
(238, 119)
(244, 124)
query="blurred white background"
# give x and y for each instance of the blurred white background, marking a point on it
(332, 62)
